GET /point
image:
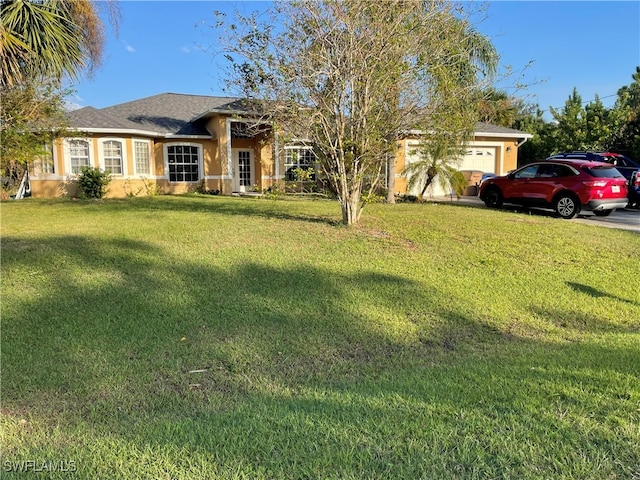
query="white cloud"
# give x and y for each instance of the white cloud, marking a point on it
(74, 102)
(70, 106)
(129, 48)
(185, 50)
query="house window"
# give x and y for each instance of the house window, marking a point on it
(78, 155)
(112, 156)
(43, 161)
(298, 157)
(184, 161)
(141, 157)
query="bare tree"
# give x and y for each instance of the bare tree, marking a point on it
(352, 75)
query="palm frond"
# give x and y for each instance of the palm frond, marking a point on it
(43, 41)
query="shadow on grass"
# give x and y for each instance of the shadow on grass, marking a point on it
(102, 301)
(280, 208)
(285, 372)
(596, 293)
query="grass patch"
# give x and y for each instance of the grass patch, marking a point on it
(214, 337)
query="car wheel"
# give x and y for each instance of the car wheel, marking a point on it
(493, 198)
(567, 206)
(603, 213)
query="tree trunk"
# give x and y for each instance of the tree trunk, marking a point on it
(424, 189)
(350, 206)
(391, 179)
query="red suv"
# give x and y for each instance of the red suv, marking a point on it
(565, 185)
(627, 167)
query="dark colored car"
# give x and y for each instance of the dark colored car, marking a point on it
(626, 166)
(567, 186)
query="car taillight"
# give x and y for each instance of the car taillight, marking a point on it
(635, 179)
(596, 183)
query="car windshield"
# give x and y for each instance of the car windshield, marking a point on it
(604, 171)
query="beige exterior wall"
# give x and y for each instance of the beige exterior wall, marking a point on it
(53, 189)
(401, 158)
(215, 171)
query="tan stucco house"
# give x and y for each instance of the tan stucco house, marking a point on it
(175, 143)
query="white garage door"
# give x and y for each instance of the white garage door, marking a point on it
(482, 159)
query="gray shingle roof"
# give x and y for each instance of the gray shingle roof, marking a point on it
(164, 114)
(482, 127)
(89, 117)
(182, 114)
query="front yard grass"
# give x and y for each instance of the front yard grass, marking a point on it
(210, 337)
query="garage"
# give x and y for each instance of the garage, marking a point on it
(482, 159)
(478, 158)
(493, 149)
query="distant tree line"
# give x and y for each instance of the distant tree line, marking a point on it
(578, 125)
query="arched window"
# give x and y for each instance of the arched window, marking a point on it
(112, 156)
(78, 155)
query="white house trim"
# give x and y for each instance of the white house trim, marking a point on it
(229, 175)
(149, 151)
(38, 175)
(67, 154)
(145, 133)
(123, 159)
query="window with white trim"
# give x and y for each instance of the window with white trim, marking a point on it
(298, 157)
(112, 156)
(184, 163)
(244, 168)
(141, 157)
(43, 162)
(79, 155)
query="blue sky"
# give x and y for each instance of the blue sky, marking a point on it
(168, 46)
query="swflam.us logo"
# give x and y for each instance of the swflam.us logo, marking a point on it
(39, 466)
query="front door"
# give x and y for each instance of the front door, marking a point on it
(243, 171)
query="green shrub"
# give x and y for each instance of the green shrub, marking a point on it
(401, 198)
(373, 197)
(458, 184)
(203, 190)
(93, 182)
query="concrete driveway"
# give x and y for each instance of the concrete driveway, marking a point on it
(626, 219)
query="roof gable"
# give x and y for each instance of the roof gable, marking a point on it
(166, 114)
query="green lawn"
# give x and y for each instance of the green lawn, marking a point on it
(209, 337)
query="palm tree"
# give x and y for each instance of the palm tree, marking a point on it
(495, 106)
(43, 43)
(439, 158)
(50, 39)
